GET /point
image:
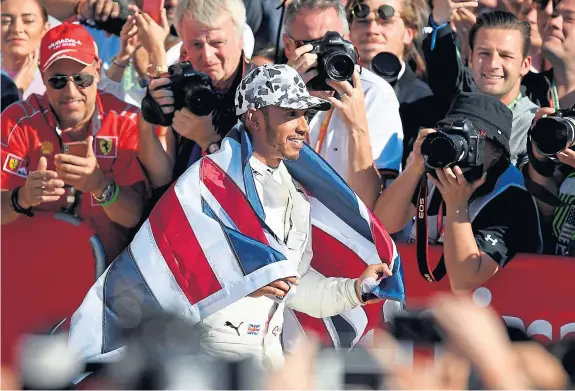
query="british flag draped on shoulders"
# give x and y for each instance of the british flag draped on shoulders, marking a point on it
(234, 224)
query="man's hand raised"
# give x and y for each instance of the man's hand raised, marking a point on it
(42, 185)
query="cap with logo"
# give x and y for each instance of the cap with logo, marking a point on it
(485, 112)
(67, 40)
(276, 85)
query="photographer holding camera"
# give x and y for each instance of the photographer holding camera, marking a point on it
(481, 212)
(362, 137)
(212, 39)
(550, 177)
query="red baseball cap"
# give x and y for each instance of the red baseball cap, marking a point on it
(67, 40)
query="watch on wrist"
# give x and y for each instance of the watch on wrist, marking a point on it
(157, 71)
(107, 194)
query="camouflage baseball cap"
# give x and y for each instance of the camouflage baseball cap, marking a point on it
(276, 85)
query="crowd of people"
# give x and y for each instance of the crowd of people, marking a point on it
(221, 150)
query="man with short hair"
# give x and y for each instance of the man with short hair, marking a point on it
(233, 241)
(499, 45)
(73, 148)
(211, 32)
(362, 137)
(482, 215)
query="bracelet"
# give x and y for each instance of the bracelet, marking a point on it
(116, 63)
(436, 28)
(114, 198)
(16, 206)
(544, 168)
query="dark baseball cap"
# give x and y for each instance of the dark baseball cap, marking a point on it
(487, 113)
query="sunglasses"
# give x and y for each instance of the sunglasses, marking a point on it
(82, 80)
(362, 11)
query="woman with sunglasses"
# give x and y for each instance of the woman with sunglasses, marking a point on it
(24, 23)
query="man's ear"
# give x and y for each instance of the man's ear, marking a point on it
(253, 120)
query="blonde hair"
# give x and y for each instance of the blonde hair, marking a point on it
(207, 12)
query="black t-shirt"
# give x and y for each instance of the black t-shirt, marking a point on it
(507, 225)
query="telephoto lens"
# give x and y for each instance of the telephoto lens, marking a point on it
(555, 133)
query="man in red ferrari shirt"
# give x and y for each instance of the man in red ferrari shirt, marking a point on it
(74, 148)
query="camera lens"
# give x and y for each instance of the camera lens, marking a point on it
(551, 135)
(339, 66)
(442, 150)
(199, 99)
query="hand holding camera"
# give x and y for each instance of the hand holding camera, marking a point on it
(351, 103)
(553, 135)
(331, 57)
(303, 61)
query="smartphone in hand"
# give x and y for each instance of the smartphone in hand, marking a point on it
(154, 9)
(79, 148)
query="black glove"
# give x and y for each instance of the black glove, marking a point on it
(152, 111)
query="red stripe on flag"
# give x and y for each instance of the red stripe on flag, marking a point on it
(381, 239)
(231, 198)
(315, 325)
(181, 250)
(334, 259)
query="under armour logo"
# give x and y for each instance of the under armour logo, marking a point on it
(493, 241)
(229, 324)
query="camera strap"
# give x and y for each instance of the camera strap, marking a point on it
(540, 192)
(421, 237)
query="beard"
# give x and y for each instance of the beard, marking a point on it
(277, 144)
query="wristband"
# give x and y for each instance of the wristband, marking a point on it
(16, 206)
(544, 168)
(435, 28)
(116, 63)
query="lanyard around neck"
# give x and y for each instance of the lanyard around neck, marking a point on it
(323, 131)
(554, 96)
(512, 105)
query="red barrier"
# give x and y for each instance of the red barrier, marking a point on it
(534, 292)
(49, 262)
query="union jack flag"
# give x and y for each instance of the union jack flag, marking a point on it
(253, 329)
(206, 245)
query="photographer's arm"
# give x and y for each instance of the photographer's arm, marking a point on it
(467, 266)
(393, 207)
(156, 152)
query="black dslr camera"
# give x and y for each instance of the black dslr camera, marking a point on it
(456, 142)
(193, 90)
(336, 60)
(554, 133)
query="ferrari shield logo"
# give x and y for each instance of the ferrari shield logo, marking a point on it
(106, 147)
(15, 165)
(12, 164)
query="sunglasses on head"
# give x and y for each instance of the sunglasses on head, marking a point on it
(82, 80)
(362, 11)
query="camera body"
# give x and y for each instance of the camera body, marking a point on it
(193, 90)
(554, 133)
(456, 142)
(336, 60)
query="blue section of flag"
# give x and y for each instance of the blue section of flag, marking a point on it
(325, 184)
(250, 254)
(126, 297)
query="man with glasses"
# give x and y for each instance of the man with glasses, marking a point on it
(362, 137)
(394, 26)
(73, 149)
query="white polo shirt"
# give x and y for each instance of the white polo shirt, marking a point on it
(385, 130)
